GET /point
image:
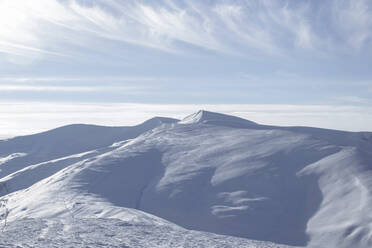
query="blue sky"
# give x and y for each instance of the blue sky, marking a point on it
(303, 62)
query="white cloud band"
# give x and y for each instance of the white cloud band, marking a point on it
(20, 118)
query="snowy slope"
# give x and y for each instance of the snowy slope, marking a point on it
(209, 172)
(18, 152)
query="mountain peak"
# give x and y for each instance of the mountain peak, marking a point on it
(155, 121)
(207, 117)
(196, 117)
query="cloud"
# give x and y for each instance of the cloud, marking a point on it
(352, 99)
(108, 84)
(45, 28)
(19, 118)
(59, 88)
(22, 25)
(354, 21)
(75, 79)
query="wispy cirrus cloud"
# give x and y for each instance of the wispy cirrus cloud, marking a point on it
(42, 28)
(354, 21)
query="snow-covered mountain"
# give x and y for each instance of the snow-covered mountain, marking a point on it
(210, 173)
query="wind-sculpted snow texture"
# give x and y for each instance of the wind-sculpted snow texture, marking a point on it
(101, 232)
(209, 172)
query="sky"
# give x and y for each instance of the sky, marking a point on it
(114, 62)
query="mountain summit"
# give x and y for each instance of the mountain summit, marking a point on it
(207, 117)
(210, 172)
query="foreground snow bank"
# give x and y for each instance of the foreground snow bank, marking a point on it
(103, 232)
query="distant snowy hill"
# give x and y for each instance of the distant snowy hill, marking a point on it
(296, 186)
(65, 141)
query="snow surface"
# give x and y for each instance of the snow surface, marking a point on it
(67, 140)
(103, 232)
(6, 159)
(210, 172)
